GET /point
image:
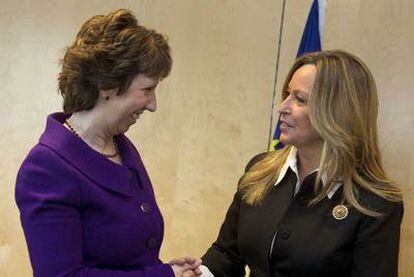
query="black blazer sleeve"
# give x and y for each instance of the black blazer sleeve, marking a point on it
(223, 257)
(377, 243)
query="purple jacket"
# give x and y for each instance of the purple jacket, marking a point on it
(84, 215)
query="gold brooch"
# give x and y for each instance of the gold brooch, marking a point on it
(340, 212)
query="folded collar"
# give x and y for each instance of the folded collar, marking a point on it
(291, 162)
(92, 164)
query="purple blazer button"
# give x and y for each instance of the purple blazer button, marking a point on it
(145, 208)
(152, 243)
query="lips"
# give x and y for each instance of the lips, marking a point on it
(285, 124)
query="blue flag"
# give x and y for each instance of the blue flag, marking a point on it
(310, 42)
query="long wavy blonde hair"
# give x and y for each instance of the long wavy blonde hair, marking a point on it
(343, 108)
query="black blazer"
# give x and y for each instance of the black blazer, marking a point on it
(286, 237)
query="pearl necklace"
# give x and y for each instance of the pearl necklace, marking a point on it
(69, 124)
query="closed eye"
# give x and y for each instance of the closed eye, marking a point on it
(301, 100)
(149, 88)
(301, 97)
(298, 96)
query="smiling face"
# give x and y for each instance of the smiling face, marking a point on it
(124, 110)
(296, 128)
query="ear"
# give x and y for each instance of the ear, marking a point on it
(107, 93)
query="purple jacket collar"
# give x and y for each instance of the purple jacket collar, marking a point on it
(92, 164)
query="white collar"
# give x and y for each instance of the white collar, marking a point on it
(291, 162)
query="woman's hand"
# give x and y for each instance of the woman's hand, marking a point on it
(186, 267)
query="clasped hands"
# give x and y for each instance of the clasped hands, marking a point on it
(186, 267)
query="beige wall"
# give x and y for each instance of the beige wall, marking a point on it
(213, 109)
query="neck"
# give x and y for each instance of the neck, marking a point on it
(91, 128)
(308, 159)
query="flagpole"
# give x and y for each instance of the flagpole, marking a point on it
(282, 19)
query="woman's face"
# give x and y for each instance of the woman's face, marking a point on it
(124, 110)
(295, 127)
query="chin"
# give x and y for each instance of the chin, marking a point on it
(284, 140)
(124, 130)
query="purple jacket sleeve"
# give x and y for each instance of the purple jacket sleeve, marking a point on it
(50, 214)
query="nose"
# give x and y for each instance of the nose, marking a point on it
(152, 103)
(284, 107)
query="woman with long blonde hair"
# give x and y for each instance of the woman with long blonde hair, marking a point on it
(322, 205)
